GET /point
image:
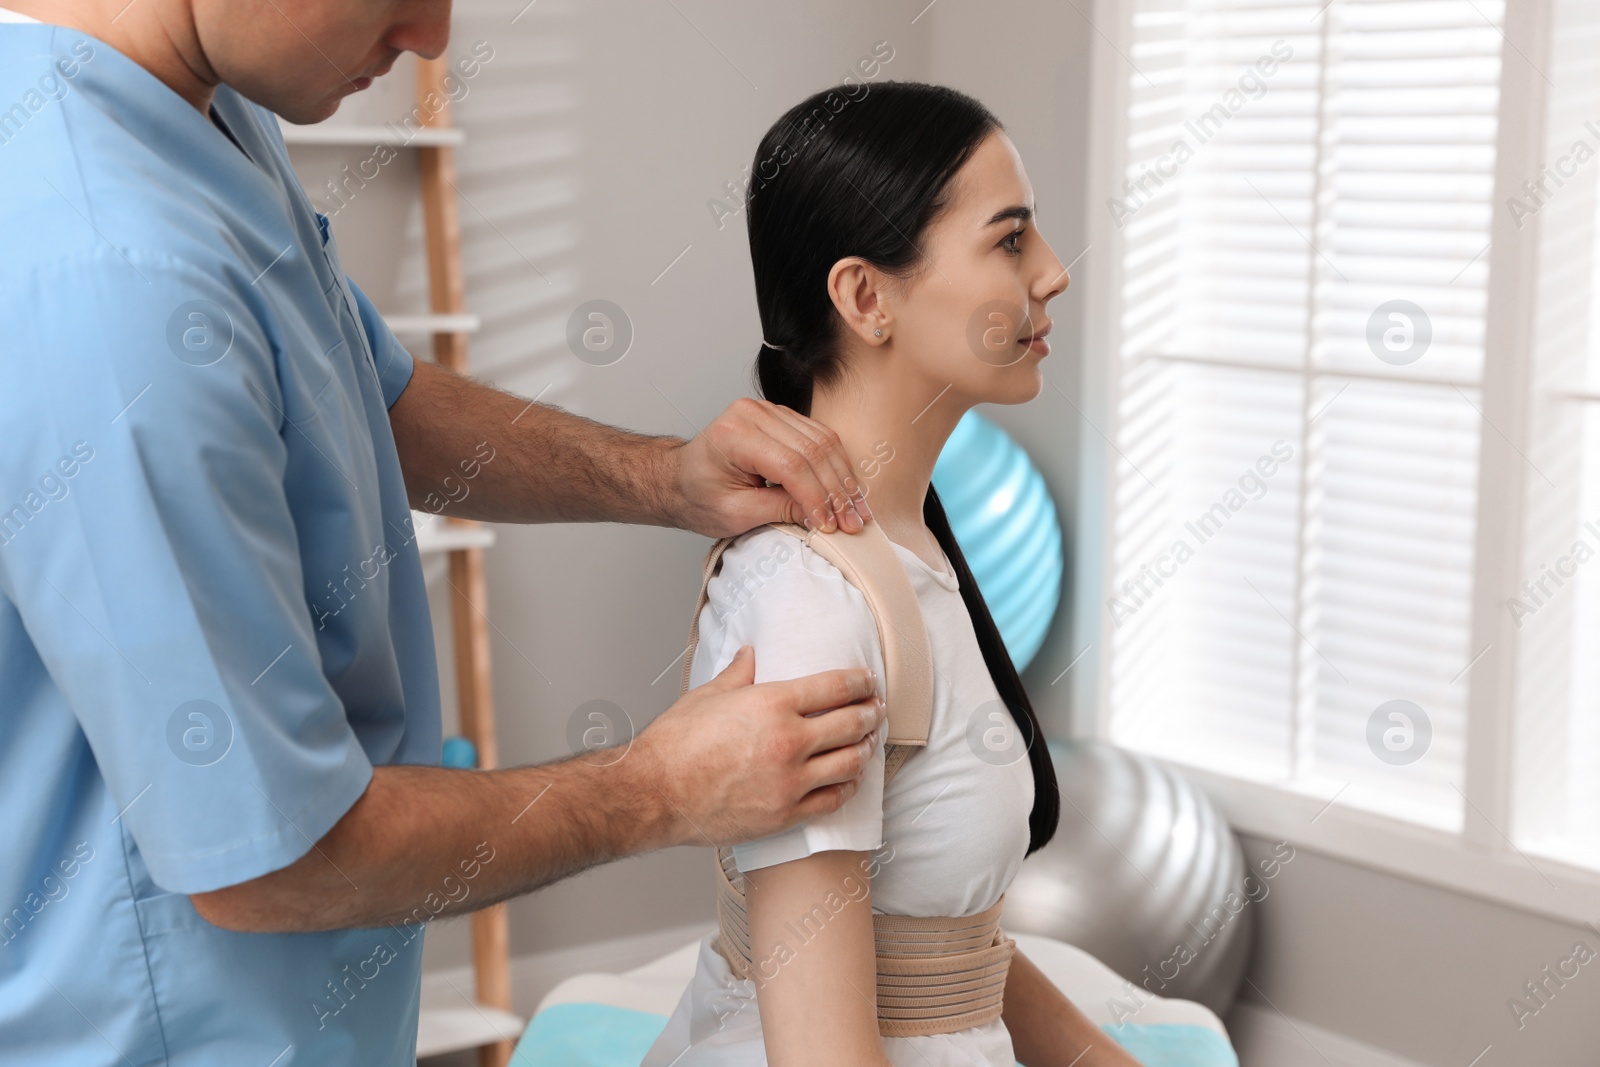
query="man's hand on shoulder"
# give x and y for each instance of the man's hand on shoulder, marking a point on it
(721, 476)
(734, 761)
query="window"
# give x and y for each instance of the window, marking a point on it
(1555, 601)
(1350, 403)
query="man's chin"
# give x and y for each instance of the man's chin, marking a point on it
(306, 113)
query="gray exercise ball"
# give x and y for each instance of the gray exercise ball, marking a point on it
(1144, 874)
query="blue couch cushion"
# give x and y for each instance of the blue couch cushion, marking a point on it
(598, 1035)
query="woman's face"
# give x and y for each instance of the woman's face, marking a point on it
(973, 318)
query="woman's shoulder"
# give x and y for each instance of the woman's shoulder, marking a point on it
(767, 550)
(799, 612)
(771, 578)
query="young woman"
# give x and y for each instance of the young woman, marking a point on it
(901, 280)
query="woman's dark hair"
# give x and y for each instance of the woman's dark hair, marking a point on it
(863, 171)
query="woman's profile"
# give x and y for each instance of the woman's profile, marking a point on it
(901, 280)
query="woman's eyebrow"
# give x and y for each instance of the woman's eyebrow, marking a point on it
(1018, 211)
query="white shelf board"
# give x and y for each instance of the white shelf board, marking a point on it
(435, 535)
(442, 1030)
(408, 325)
(336, 133)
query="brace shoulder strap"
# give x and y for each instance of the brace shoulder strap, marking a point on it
(868, 561)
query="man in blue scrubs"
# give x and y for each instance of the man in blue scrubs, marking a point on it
(219, 723)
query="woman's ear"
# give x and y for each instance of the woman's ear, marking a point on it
(858, 291)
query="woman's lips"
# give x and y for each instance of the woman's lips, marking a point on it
(1037, 342)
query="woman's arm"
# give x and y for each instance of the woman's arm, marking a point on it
(815, 960)
(1047, 1029)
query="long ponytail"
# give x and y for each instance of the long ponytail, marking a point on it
(1046, 811)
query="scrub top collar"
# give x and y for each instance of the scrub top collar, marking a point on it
(216, 120)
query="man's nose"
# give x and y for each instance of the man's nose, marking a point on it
(426, 33)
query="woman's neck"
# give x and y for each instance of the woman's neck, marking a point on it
(893, 427)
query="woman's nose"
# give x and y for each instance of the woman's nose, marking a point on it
(1054, 280)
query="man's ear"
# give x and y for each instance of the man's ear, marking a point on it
(858, 291)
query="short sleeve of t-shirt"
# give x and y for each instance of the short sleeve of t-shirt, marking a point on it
(801, 616)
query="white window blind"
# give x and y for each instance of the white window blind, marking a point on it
(1295, 463)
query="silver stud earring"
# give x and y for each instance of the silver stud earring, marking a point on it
(877, 333)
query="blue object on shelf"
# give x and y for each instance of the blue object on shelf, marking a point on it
(459, 753)
(1005, 522)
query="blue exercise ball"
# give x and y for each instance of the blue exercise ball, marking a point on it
(1145, 875)
(1003, 518)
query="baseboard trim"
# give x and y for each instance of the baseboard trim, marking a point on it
(1265, 1037)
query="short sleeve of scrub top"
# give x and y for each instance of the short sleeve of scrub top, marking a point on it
(213, 623)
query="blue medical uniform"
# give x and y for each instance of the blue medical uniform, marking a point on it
(213, 622)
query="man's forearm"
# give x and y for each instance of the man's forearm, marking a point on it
(730, 761)
(425, 842)
(473, 451)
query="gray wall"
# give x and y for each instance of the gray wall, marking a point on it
(598, 132)
(1420, 971)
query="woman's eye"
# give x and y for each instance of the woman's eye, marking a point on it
(1010, 242)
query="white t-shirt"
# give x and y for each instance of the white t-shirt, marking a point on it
(953, 829)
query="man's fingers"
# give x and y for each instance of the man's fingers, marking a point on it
(741, 670)
(842, 727)
(845, 502)
(796, 457)
(825, 690)
(826, 800)
(811, 496)
(838, 767)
